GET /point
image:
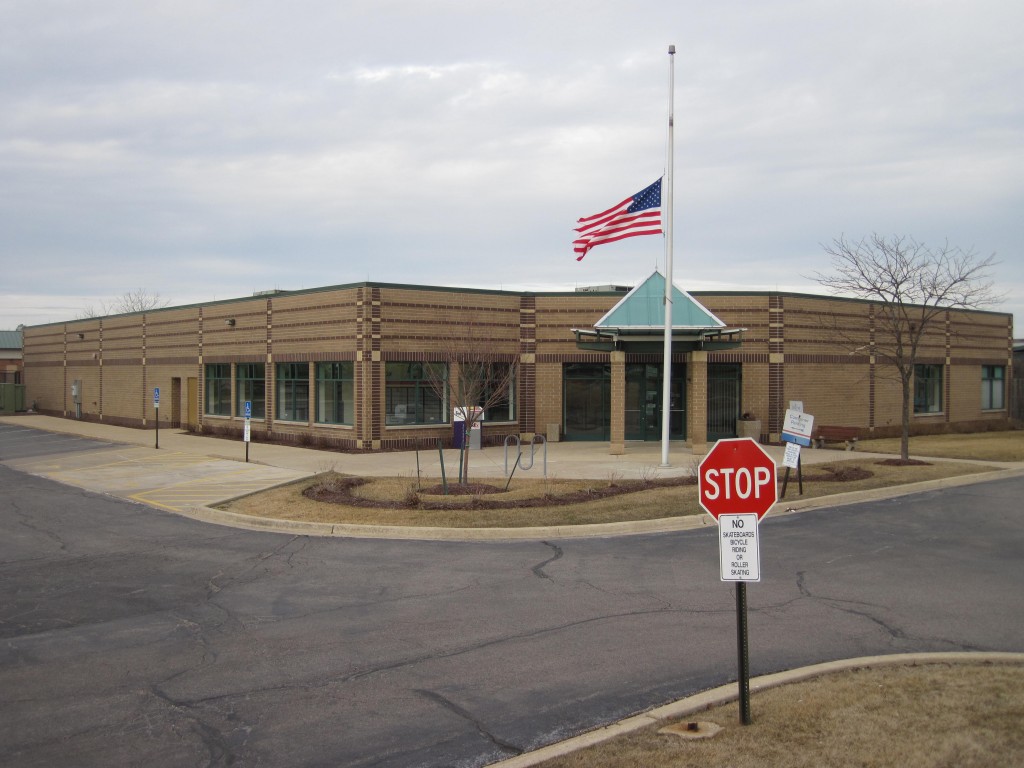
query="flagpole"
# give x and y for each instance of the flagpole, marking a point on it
(666, 385)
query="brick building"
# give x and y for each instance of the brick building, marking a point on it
(10, 357)
(350, 366)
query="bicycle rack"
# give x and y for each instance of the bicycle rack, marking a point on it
(533, 451)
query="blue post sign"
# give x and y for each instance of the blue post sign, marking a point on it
(246, 432)
(156, 408)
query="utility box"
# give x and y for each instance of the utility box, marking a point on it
(76, 397)
(12, 398)
(459, 419)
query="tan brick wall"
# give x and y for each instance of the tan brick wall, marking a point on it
(814, 349)
(44, 368)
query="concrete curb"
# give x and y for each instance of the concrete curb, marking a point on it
(533, 533)
(728, 693)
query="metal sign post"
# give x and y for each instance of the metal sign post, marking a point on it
(740, 556)
(792, 461)
(248, 432)
(743, 652)
(156, 408)
(736, 485)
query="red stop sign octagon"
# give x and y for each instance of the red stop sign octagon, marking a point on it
(737, 477)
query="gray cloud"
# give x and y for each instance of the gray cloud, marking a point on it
(207, 150)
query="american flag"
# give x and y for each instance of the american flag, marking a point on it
(636, 215)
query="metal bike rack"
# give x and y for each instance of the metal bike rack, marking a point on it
(533, 451)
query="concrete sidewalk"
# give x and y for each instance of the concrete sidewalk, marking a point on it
(192, 474)
(566, 460)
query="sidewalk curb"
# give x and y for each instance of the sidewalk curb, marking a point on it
(598, 530)
(728, 693)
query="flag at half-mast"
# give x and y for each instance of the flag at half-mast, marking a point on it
(636, 215)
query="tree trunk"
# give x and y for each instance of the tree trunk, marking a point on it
(905, 418)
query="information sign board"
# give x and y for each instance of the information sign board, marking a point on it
(792, 456)
(797, 427)
(739, 548)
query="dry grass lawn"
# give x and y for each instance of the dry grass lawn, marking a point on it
(931, 716)
(288, 503)
(984, 446)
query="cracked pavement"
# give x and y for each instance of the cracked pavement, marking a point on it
(129, 636)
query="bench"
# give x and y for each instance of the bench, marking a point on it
(825, 434)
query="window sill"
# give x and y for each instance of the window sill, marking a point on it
(329, 425)
(431, 425)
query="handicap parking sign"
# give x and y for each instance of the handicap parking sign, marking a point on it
(248, 409)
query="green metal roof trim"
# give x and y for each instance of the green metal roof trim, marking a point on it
(644, 308)
(10, 339)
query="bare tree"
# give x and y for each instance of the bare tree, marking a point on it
(476, 379)
(138, 300)
(912, 285)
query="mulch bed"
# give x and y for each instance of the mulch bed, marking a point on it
(339, 490)
(904, 463)
(838, 474)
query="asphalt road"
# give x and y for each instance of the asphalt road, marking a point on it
(130, 636)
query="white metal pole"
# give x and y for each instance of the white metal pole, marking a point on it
(666, 386)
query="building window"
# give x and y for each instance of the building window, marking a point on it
(292, 391)
(250, 384)
(993, 387)
(499, 393)
(335, 395)
(927, 388)
(410, 396)
(218, 390)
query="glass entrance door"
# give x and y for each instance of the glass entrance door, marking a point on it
(587, 389)
(644, 402)
(723, 400)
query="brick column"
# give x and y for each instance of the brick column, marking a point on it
(618, 404)
(697, 402)
(776, 367)
(526, 408)
(369, 370)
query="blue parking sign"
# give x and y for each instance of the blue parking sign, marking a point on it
(156, 397)
(248, 409)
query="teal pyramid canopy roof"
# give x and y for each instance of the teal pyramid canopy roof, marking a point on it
(644, 308)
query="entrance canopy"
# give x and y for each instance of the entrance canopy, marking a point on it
(637, 323)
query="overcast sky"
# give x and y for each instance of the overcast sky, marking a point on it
(206, 149)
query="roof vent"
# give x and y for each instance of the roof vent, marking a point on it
(604, 289)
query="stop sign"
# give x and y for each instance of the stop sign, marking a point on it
(737, 477)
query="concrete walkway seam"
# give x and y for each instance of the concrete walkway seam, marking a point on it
(726, 694)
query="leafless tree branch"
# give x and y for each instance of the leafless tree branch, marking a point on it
(911, 285)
